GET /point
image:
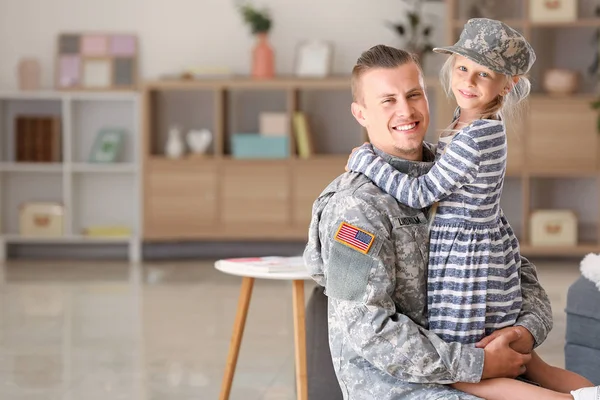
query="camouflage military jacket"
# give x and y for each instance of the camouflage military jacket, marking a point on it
(370, 253)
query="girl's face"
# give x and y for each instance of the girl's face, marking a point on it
(475, 86)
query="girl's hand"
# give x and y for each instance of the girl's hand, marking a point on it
(350, 156)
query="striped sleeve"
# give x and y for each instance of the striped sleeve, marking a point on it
(458, 166)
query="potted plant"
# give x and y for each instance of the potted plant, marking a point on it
(263, 57)
(416, 32)
(594, 68)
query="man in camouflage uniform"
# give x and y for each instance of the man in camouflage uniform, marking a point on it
(370, 253)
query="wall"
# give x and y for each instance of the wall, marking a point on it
(181, 33)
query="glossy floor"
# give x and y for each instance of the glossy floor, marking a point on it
(98, 331)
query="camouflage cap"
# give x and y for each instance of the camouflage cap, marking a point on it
(494, 45)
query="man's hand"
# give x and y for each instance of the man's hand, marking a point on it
(500, 361)
(523, 345)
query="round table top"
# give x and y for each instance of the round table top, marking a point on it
(241, 268)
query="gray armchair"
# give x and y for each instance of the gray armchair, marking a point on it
(582, 348)
(322, 382)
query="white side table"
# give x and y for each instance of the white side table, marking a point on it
(298, 279)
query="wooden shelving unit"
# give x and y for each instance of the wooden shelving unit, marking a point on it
(557, 139)
(218, 197)
(92, 194)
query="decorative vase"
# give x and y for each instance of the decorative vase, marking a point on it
(174, 147)
(263, 58)
(561, 81)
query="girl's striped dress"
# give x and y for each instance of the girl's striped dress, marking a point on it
(474, 283)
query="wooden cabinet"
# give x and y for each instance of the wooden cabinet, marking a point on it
(221, 198)
(562, 135)
(181, 199)
(255, 193)
(515, 159)
(309, 179)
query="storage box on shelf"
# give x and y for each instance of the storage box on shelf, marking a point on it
(100, 202)
(554, 153)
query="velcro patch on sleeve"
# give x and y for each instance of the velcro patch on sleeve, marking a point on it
(355, 238)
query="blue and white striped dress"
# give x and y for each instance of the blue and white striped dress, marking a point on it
(474, 282)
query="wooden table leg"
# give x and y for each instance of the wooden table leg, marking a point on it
(236, 338)
(300, 340)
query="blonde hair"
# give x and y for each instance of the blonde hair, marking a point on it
(379, 56)
(508, 108)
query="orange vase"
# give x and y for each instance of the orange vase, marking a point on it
(263, 58)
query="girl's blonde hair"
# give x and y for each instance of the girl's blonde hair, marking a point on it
(508, 108)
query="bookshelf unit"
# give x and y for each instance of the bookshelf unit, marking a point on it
(92, 194)
(218, 197)
(554, 152)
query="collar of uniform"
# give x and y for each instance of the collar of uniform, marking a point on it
(412, 168)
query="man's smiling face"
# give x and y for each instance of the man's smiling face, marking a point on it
(393, 107)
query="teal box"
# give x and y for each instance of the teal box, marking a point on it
(253, 145)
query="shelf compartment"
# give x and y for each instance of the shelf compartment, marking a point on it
(92, 116)
(333, 136)
(22, 107)
(185, 110)
(19, 188)
(102, 199)
(580, 195)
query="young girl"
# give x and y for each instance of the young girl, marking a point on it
(474, 260)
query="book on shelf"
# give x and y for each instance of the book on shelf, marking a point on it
(37, 138)
(304, 140)
(107, 231)
(266, 264)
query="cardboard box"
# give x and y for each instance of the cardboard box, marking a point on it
(41, 219)
(553, 228)
(552, 10)
(274, 124)
(252, 145)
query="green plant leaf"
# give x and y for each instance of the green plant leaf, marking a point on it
(259, 21)
(414, 19)
(595, 105)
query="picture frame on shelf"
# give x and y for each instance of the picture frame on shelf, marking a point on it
(96, 61)
(107, 146)
(313, 59)
(552, 10)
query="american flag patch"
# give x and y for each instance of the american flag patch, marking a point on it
(354, 237)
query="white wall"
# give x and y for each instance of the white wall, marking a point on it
(179, 33)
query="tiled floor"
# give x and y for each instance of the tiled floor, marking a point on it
(86, 331)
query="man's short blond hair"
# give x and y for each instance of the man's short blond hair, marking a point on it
(379, 56)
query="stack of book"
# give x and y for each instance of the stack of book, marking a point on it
(265, 264)
(38, 139)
